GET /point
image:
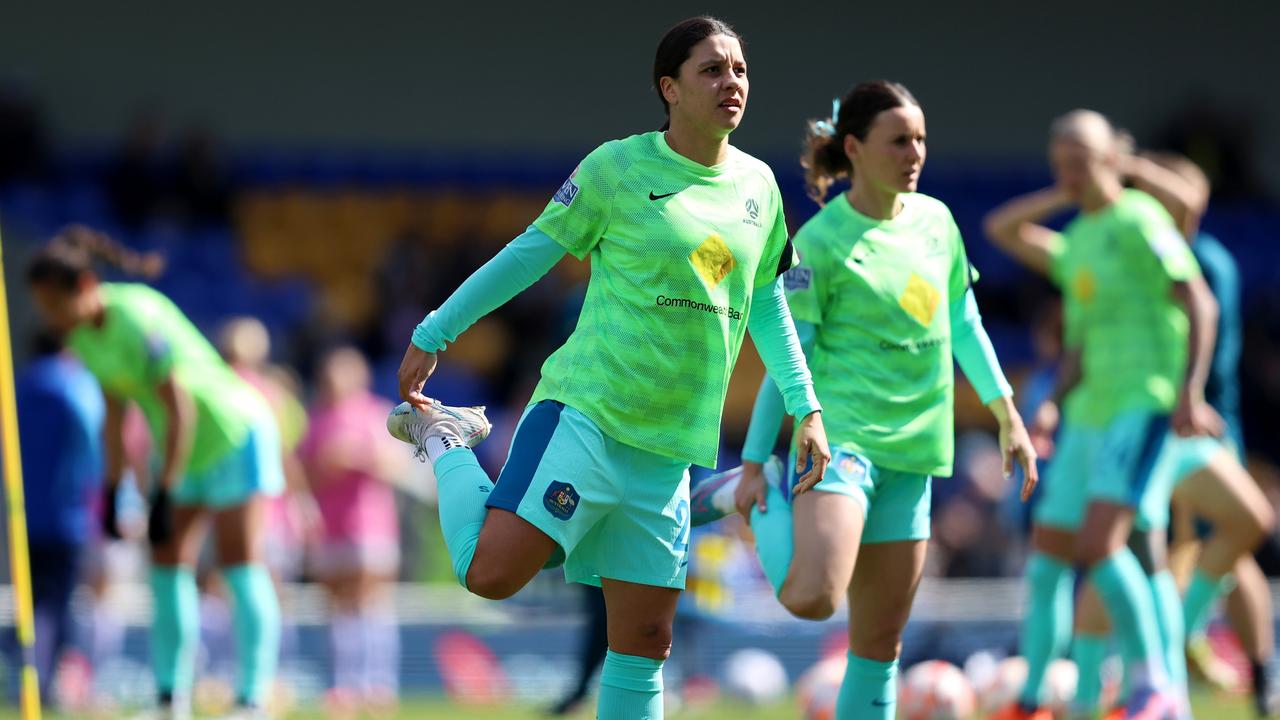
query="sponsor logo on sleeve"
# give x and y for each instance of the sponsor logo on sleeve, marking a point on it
(797, 279)
(567, 192)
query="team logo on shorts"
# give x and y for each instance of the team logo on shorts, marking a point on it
(561, 500)
(852, 467)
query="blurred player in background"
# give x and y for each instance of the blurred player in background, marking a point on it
(882, 299)
(1207, 472)
(292, 517)
(351, 463)
(1139, 331)
(219, 453)
(687, 242)
(60, 412)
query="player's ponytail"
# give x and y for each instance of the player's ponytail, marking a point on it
(674, 49)
(76, 250)
(824, 159)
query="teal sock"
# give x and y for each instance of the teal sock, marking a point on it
(463, 487)
(1168, 605)
(1126, 593)
(630, 688)
(175, 629)
(869, 690)
(773, 537)
(1202, 592)
(255, 615)
(1088, 652)
(1046, 627)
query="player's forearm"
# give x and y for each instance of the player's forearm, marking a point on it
(1003, 222)
(520, 264)
(1015, 227)
(181, 412)
(1202, 323)
(1070, 373)
(1182, 198)
(973, 350)
(113, 439)
(766, 420)
(774, 334)
(1004, 411)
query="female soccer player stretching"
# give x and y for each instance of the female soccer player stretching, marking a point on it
(1144, 336)
(882, 299)
(687, 241)
(219, 455)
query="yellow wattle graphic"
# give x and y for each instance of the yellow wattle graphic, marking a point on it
(713, 260)
(920, 299)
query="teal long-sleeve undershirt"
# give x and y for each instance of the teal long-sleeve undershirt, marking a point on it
(530, 256)
(775, 336)
(969, 344)
(517, 266)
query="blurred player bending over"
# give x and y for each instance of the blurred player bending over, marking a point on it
(218, 446)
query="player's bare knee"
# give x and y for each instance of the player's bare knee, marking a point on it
(651, 639)
(1251, 530)
(882, 646)
(491, 585)
(806, 604)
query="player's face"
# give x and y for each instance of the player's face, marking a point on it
(892, 155)
(711, 90)
(61, 309)
(1078, 169)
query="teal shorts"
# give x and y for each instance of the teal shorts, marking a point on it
(618, 512)
(252, 468)
(1124, 465)
(895, 505)
(1062, 500)
(1181, 457)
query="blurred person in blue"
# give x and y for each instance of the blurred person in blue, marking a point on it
(60, 416)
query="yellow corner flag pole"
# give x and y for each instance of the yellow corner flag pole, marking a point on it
(19, 560)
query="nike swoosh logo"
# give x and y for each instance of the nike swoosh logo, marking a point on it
(881, 703)
(659, 197)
